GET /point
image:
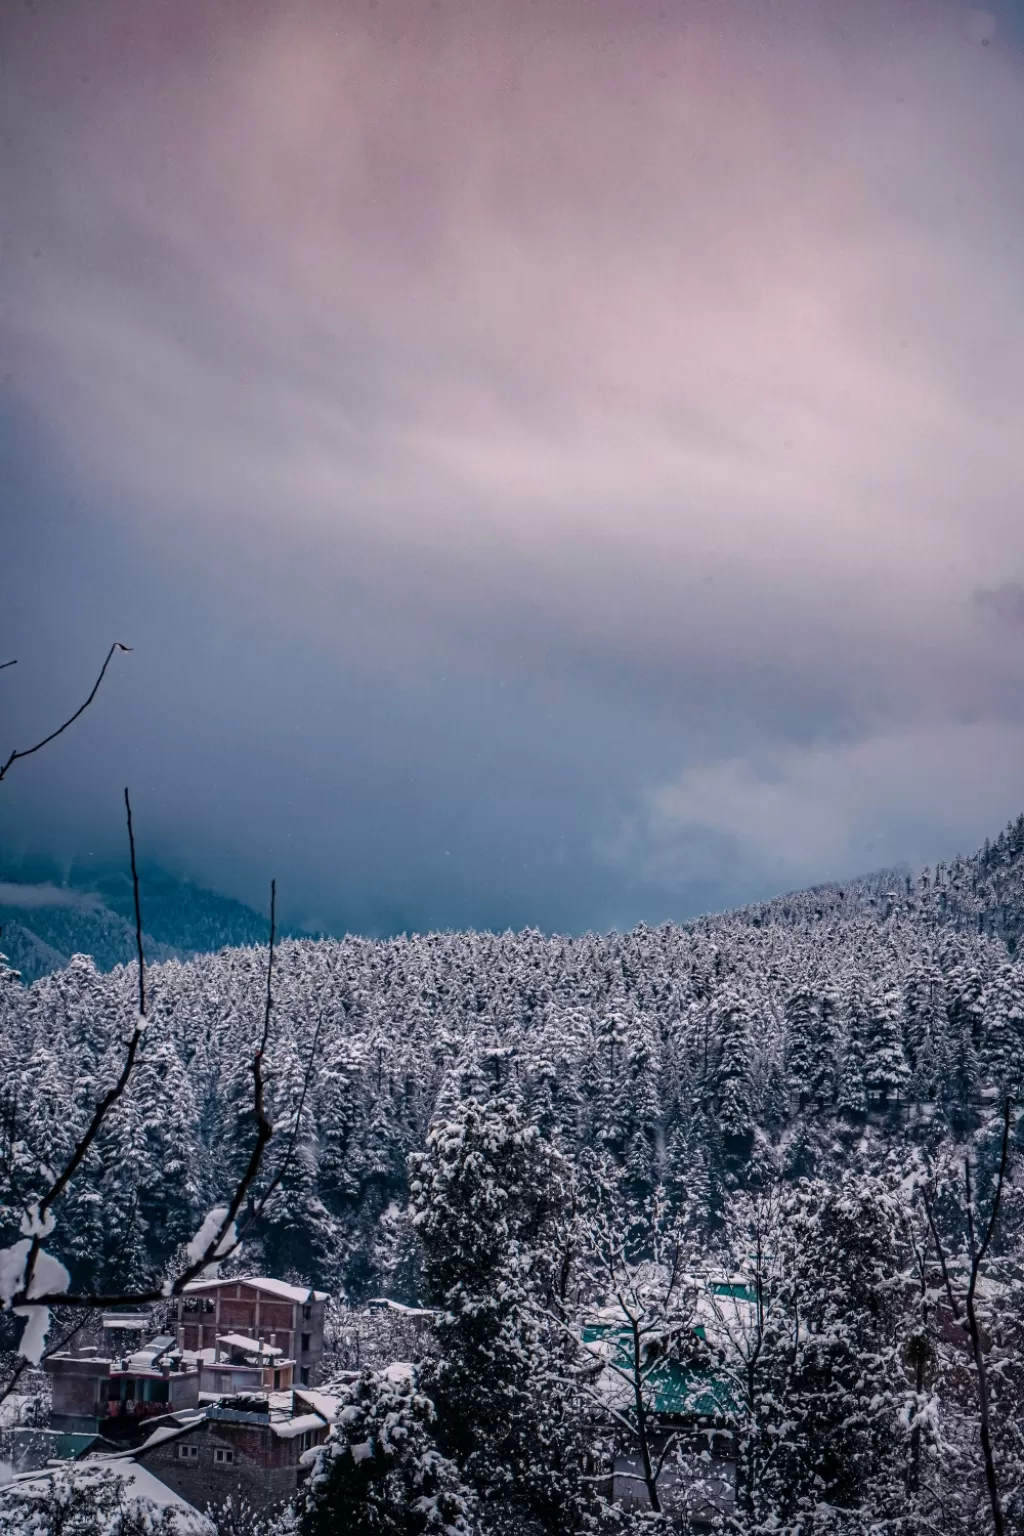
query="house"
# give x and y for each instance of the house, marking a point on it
(93, 1394)
(247, 1449)
(277, 1315)
(687, 1407)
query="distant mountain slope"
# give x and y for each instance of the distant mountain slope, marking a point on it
(93, 914)
(43, 927)
(983, 893)
(38, 939)
(182, 914)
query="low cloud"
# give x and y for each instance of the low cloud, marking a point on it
(1002, 605)
(822, 812)
(29, 896)
(475, 413)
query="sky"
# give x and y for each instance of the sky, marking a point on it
(556, 462)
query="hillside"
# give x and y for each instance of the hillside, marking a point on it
(757, 1038)
(93, 914)
(805, 1062)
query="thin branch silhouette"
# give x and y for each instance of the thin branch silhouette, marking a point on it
(976, 1253)
(225, 1240)
(105, 1104)
(290, 1149)
(138, 910)
(28, 751)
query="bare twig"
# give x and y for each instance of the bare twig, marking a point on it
(28, 751)
(103, 1108)
(270, 968)
(977, 1252)
(977, 1346)
(218, 1247)
(54, 1349)
(138, 910)
(13, 663)
(929, 1212)
(290, 1149)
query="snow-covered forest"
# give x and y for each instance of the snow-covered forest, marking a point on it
(785, 1093)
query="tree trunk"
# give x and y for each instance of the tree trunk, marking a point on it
(642, 1434)
(998, 1521)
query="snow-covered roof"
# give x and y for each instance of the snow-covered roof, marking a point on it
(137, 1481)
(180, 1426)
(327, 1404)
(262, 1283)
(251, 1346)
(289, 1428)
(385, 1304)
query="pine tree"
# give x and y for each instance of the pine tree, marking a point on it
(886, 1074)
(486, 1195)
(734, 1070)
(804, 1031)
(381, 1472)
(837, 1384)
(1003, 1031)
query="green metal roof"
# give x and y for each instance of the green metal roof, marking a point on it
(674, 1388)
(739, 1290)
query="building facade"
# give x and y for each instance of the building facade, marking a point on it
(248, 1450)
(95, 1395)
(278, 1316)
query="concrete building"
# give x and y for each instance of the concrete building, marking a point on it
(278, 1316)
(95, 1394)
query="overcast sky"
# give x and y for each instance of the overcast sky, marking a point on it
(557, 462)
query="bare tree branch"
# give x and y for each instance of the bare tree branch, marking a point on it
(215, 1248)
(138, 910)
(290, 1149)
(977, 1252)
(54, 1349)
(929, 1212)
(28, 751)
(103, 1107)
(977, 1343)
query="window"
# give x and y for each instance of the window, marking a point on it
(304, 1375)
(223, 1456)
(192, 1304)
(188, 1453)
(306, 1340)
(307, 1313)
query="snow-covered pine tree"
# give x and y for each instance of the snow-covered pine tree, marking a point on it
(837, 1385)
(381, 1472)
(886, 1074)
(487, 1194)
